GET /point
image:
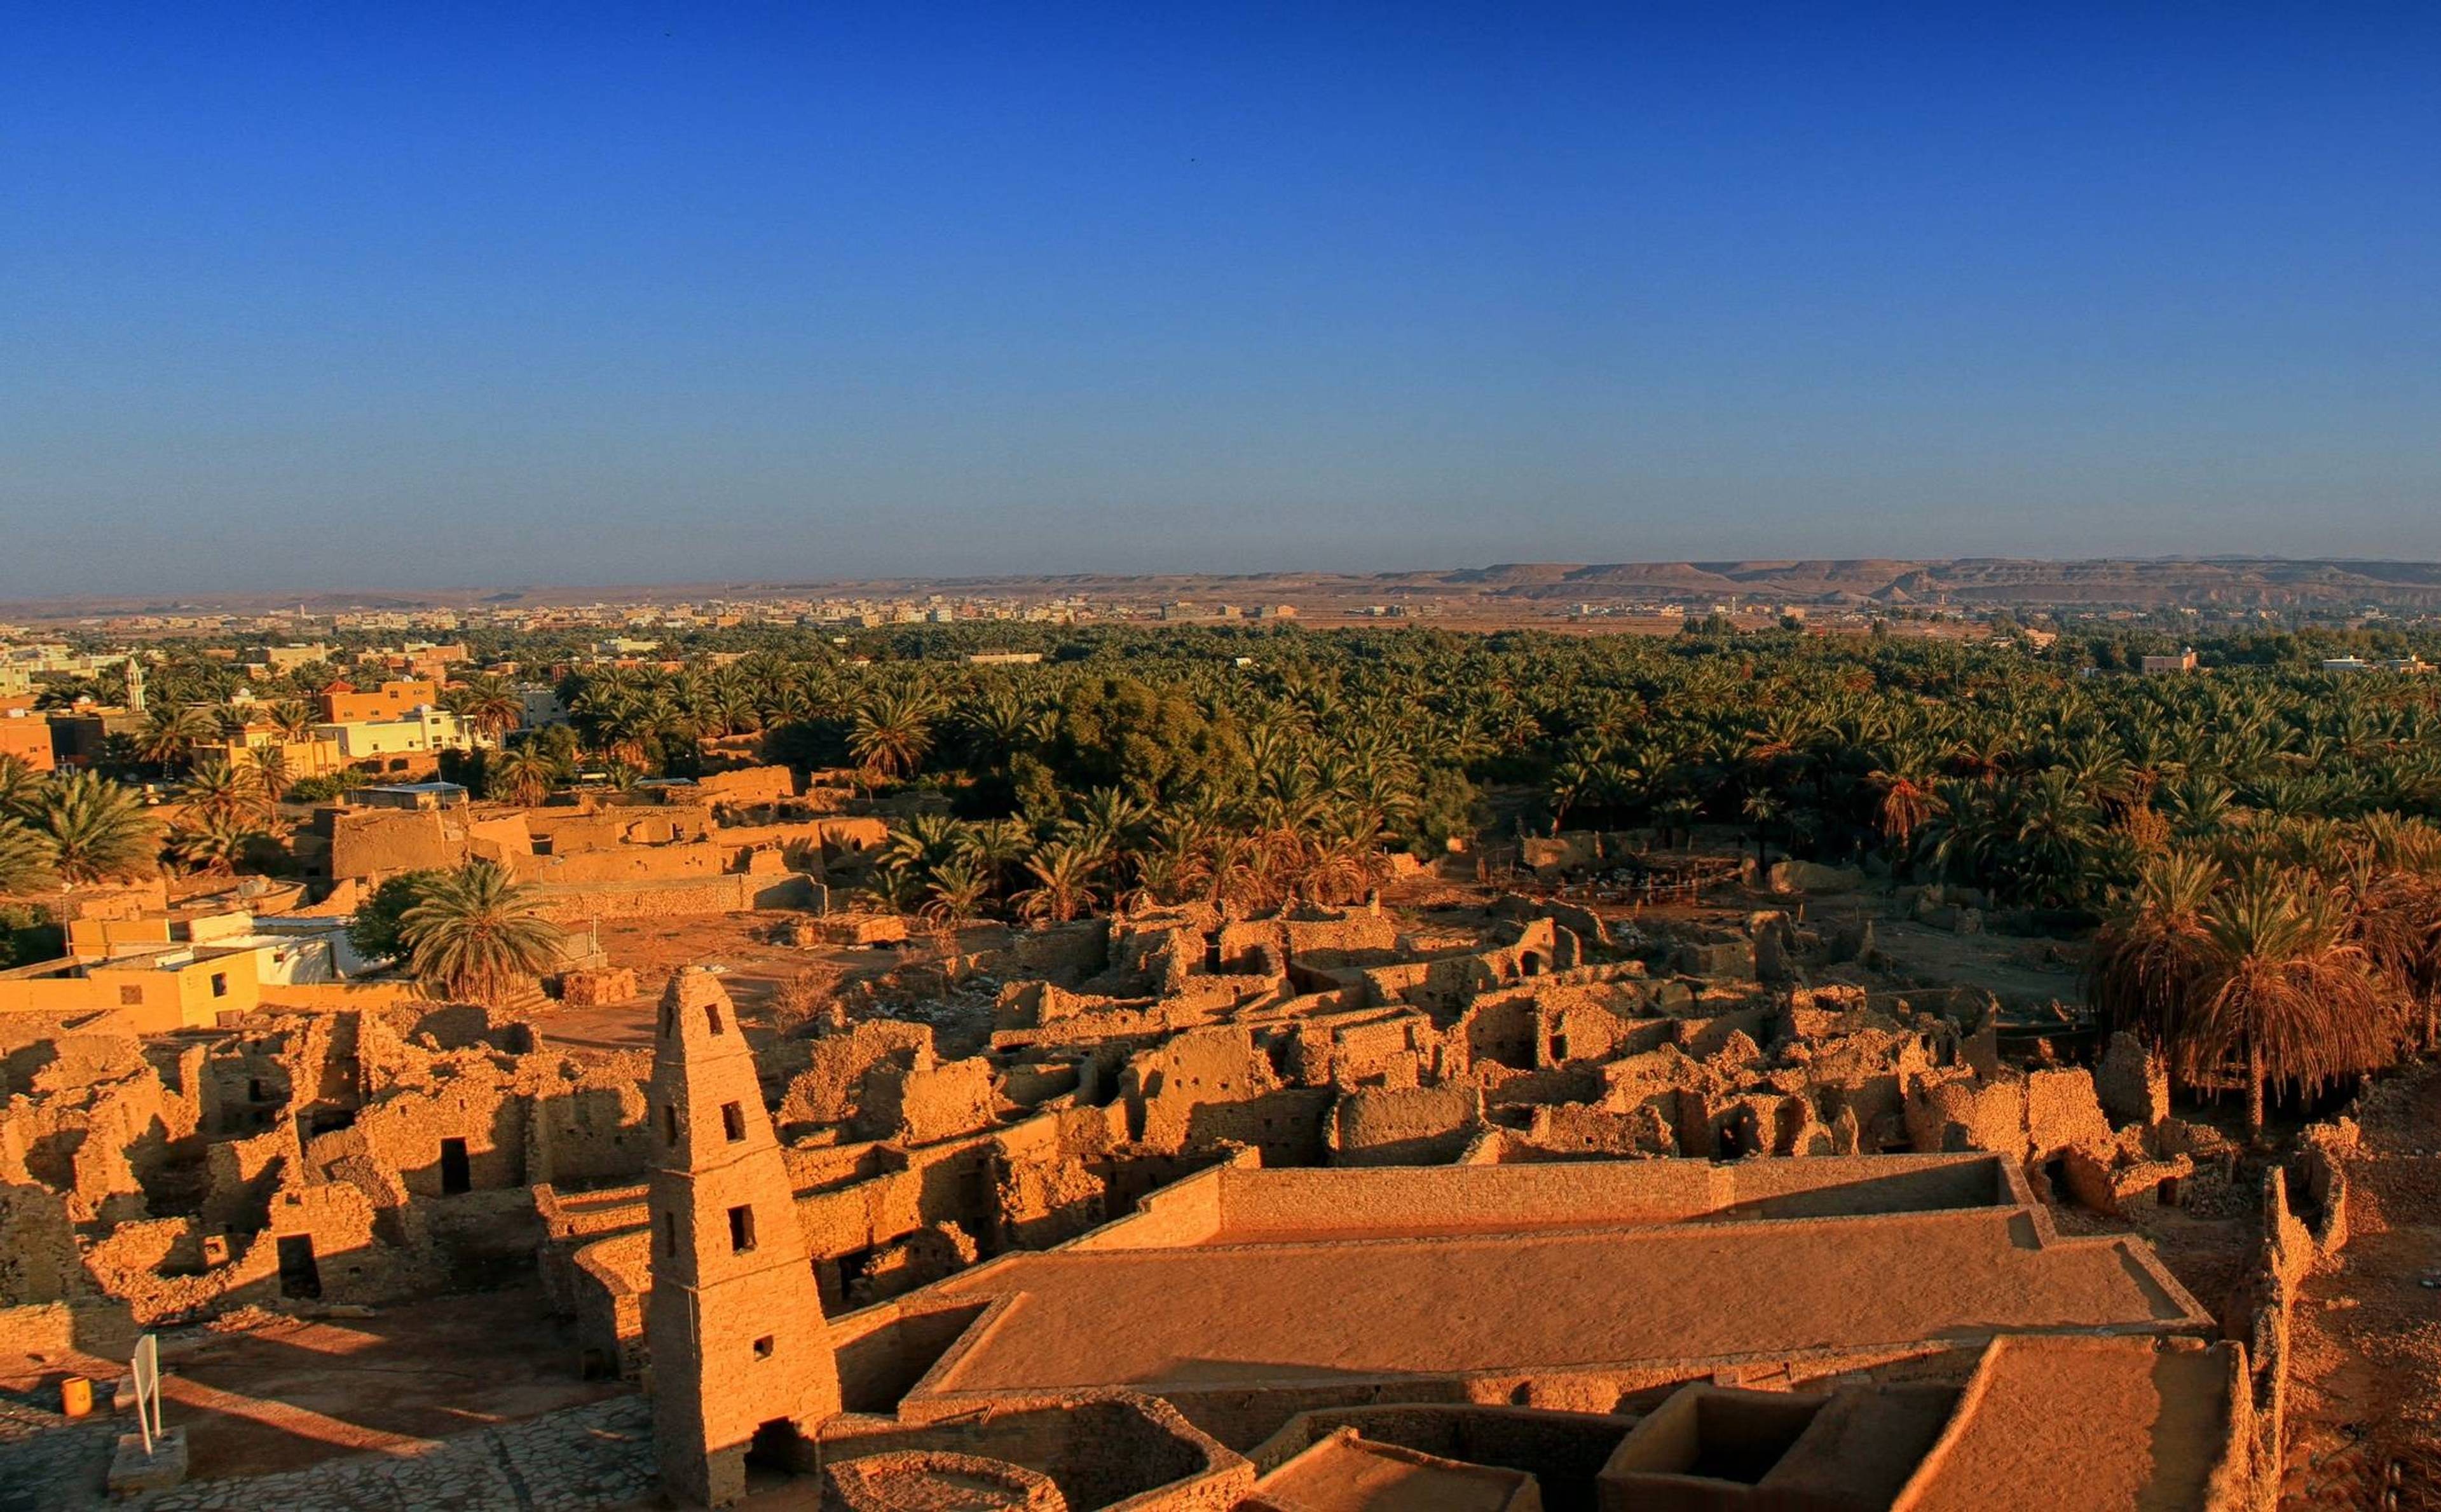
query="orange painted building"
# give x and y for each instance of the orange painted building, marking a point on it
(26, 736)
(315, 757)
(344, 705)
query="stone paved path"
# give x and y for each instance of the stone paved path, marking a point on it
(580, 1458)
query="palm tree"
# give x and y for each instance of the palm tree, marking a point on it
(1062, 888)
(995, 846)
(1763, 807)
(1572, 782)
(477, 936)
(19, 786)
(2058, 828)
(2281, 991)
(294, 718)
(1108, 820)
(216, 789)
(2150, 952)
(522, 775)
(172, 731)
(271, 780)
(214, 841)
(24, 857)
(2396, 887)
(95, 828)
(1677, 816)
(956, 892)
(892, 733)
(488, 703)
(1905, 778)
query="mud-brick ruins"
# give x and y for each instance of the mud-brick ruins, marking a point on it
(1502, 1194)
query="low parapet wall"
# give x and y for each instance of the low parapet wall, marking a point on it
(1259, 1204)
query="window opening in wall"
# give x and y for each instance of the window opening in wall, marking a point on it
(741, 1228)
(712, 1017)
(763, 1347)
(733, 1120)
(1559, 1047)
(131, 997)
(1530, 964)
(670, 1122)
(457, 1171)
(669, 1235)
(254, 1089)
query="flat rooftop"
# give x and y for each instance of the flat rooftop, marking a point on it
(1695, 1285)
(2054, 1422)
(1344, 1473)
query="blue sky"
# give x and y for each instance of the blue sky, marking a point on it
(385, 297)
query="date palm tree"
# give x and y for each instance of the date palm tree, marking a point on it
(522, 775)
(214, 841)
(997, 846)
(216, 789)
(892, 733)
(271, 778)
(24, 857)
(172, 731)
(1063, 884)
(2282, 995)
(2150, 952)
(955, 893)
(19, 786)
(488, 703)
(475, 935)
(95, 828)
(294, 718)
(1905, 778)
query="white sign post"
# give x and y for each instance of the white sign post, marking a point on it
(146, 1367)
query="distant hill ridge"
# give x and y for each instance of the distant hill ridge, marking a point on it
(2142, 583)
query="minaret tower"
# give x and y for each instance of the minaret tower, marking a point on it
(735, 1322)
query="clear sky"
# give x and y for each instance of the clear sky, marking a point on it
(362, 296)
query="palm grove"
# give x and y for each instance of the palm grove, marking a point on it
(2253, 844)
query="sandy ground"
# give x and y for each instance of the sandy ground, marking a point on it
(2364, 1414)
(739, 946)
(294, 1392)
(2022, 973)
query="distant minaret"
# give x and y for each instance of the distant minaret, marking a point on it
(734, 1322)
(134, 682)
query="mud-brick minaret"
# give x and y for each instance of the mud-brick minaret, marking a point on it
(735, 1322)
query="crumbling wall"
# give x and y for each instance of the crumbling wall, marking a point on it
(828, 1090)
(748, 785)
(376, 842)
(686, 897)
(1419, 1125)
(38, 1249)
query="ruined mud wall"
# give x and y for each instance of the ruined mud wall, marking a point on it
(730, 893)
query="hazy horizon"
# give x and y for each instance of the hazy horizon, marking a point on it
(451, 299)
